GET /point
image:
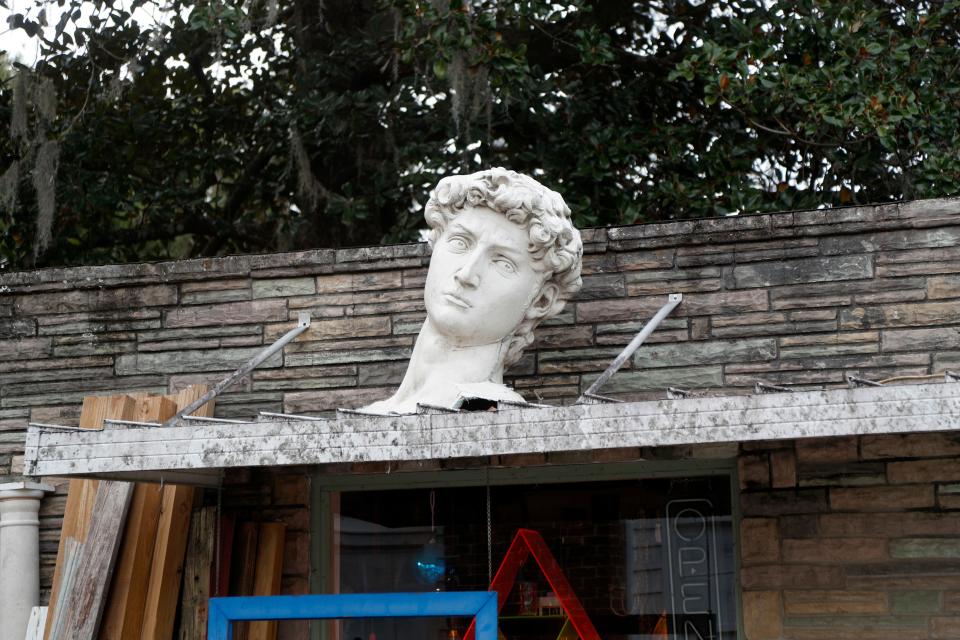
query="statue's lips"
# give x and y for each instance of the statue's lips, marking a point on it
(456, 300)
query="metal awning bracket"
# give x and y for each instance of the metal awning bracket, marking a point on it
(672, 301)
(303, 323)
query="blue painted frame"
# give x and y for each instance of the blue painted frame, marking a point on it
(223, 612)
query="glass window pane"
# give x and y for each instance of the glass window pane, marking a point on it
(647, 559)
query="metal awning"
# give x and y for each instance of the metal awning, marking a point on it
(197, 451)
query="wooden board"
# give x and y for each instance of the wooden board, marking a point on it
(70, 554)
(268, 573)
(123, 616)
(36, 623)
(184, 397)
(198, 574)
(244, 570)
(163, 589)
(81, 494)
(228, 527)
(245, 559)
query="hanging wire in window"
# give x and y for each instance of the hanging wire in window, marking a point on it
(216, 543)
(430, 563)
(489, 534)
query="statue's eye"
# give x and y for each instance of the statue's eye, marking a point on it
(505, 265)
(457, 243)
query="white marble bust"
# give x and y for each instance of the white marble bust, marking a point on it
(506, 257)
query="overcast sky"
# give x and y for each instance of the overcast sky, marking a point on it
(19, 46)
(17, 43)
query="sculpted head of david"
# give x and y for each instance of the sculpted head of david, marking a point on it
(506, 257)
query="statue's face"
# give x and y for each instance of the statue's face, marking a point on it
(481, 279)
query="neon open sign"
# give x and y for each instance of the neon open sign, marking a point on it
(693, 552)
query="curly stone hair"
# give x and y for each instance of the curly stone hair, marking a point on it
(555, 244)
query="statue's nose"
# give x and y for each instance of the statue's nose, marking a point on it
(468, 276)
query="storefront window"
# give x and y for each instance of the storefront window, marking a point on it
(647, 559)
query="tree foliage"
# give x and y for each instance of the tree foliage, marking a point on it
(259, 125)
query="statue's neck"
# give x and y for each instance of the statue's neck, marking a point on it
(438, 365)
(438, 361)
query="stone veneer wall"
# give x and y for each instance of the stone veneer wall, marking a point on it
(851, 538)
(795, 299)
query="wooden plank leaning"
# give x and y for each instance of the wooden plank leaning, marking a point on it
(35, 626)
(163, 588)
(71, 553)
(124, 612)
(245, 562)
(198, 574)
(268, 574)
(157, 523)
(82, 493)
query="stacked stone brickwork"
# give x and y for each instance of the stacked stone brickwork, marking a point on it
(797, 299)
(850, 538)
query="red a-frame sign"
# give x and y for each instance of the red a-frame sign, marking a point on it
(528, 543)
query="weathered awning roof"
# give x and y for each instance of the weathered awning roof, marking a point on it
(198, 453)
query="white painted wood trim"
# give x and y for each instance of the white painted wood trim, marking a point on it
(151, 451)
(37, 624)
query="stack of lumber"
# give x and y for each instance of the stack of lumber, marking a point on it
(250, 563)
(130, 553)
(122, 545)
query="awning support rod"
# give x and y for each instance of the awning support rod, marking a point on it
(672, 301)
(303, 322)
